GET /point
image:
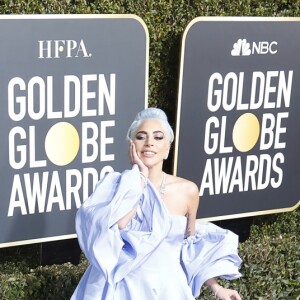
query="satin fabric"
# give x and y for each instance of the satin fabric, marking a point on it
(149, 259)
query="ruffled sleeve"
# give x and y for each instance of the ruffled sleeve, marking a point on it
(212, 252)
(113, 253)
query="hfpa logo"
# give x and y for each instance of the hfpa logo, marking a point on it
(62, 48)
(243, 48)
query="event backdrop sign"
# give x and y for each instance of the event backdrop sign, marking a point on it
(238, 122)
(70, 86)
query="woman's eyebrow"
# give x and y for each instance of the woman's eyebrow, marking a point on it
(142, 131)
(145, 132)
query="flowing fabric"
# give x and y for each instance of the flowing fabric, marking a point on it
(149, 259)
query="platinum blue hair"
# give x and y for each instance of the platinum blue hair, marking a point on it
(150, 113)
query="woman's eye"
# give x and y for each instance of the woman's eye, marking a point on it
(159, 137)
(140, 137)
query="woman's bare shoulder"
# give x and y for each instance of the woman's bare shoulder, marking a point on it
(184, 185)
(182, 196)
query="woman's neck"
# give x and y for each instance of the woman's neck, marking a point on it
(156, 176)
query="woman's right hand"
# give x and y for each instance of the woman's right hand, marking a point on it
(134, 159)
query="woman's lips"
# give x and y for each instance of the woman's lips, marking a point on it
(148, 153)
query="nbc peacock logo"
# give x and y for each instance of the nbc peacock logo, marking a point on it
(244, 48)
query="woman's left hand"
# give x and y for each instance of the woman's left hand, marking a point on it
(227, 294)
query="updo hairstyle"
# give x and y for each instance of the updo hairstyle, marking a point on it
(150, 113)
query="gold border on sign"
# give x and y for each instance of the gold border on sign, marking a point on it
(219, 19)
(251, 214)
(70, 17)
(40, 240)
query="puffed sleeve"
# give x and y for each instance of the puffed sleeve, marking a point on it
(113, 253)
(210, 253)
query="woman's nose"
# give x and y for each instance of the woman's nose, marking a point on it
(149, 141)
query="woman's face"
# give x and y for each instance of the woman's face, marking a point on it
(151, 142)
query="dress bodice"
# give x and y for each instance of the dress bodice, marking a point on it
(167, 254)
(172, 244)
(161, 272)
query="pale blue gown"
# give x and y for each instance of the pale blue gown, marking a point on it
(150, 259)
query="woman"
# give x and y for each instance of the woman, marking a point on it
(139, 231)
